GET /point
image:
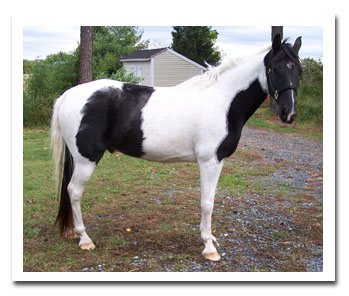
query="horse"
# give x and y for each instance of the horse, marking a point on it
(199, 120)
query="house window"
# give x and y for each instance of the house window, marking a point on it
(137, 71)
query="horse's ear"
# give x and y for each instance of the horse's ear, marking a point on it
(297, 44)
(276, 43)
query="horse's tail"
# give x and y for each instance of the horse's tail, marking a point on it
(63, 170)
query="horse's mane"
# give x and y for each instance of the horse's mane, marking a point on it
(211, 76)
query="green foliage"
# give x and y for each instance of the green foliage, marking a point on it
(121, 75)
(111, 43)
(28, 66)
(310, 92)
(196, 43)
(54, 75)
(48, 80)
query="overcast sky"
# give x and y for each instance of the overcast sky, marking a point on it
(38, 42)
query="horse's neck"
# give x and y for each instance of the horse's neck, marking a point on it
(243, 75)
(244, 88)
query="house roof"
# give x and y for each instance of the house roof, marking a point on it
(145, 54)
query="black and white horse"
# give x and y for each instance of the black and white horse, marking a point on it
(199, 120)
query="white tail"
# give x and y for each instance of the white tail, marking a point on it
(58, 147)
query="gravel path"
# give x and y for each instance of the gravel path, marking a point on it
(300, 169)
(302, 156)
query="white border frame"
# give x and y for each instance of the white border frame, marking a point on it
(328, 273)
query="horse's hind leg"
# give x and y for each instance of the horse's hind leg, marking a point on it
(82, 172)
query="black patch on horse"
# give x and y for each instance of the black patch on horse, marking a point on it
(112, 121)
(241, 109)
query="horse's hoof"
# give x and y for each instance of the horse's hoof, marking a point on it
(212, 256)
(88, 246)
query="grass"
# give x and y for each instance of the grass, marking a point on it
(145, 216)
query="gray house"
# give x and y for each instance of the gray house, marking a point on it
(161, 67)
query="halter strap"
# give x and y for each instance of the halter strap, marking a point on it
(274, 91)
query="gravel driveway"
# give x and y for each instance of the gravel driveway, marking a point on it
(302, 157)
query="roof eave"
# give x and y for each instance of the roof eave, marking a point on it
(135, 60)
(161, 50)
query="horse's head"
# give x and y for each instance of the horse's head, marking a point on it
(283, 70)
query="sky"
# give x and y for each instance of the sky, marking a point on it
(38, 42)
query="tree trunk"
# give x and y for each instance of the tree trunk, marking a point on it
(86, 54)
(274, 31)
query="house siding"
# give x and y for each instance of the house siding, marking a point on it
(170, 70)
(145, 66)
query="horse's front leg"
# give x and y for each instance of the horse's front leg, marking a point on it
(209, 175)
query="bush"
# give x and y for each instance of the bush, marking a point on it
(121, 75)
(310, 92)
(37, 111)
(48, 80)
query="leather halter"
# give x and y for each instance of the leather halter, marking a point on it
(275, 93)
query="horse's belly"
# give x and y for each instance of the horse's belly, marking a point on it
(164, 148)
(167, 157)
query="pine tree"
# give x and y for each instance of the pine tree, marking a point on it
(196, 43)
